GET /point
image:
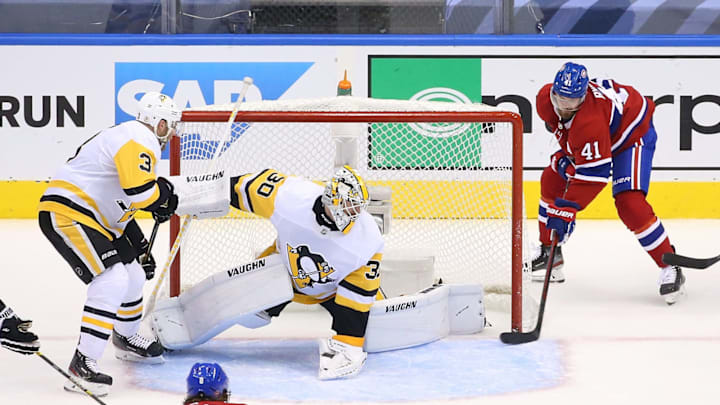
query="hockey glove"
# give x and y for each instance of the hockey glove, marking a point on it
(146, 260)
(14, 334)
(167, 208)
(561, 218)
(563, 165)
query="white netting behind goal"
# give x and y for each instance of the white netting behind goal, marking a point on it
(449, 167)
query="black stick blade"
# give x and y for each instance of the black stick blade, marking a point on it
(517, 338)
(675, 259)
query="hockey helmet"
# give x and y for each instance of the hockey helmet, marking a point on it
(154, 107)
(207, 381)
(346, 196)
(569, 87)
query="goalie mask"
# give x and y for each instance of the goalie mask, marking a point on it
(154, 107)
(345, 196)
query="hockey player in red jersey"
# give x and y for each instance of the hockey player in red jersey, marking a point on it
(604, 129)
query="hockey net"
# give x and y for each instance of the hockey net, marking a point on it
(454, 172)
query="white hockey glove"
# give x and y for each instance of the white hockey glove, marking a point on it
(339, 360)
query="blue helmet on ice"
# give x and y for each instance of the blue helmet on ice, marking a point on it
(571, 81)
(207, 381)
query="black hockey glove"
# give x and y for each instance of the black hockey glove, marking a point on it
(14, 334)
(169, 203)
(146, 259)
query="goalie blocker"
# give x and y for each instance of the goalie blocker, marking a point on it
(241, 294)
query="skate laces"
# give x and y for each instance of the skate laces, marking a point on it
(668, 275)
(139, 341)
(91, 365)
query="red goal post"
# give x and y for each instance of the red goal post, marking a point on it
(425, 174)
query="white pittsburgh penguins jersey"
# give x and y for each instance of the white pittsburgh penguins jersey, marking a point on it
(321, 262)
(111, 176)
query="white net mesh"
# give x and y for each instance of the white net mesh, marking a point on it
(451, 182)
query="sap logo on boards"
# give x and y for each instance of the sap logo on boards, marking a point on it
(244, 268)
(196, 84)
(42, 111)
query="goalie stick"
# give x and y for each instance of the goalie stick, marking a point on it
(675, 259)
(66, 375)
(515, 338)
(247, 82)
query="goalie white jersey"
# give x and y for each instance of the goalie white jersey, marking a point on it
(111, 176)
(318, 260)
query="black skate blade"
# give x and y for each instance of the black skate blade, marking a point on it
(517, 338)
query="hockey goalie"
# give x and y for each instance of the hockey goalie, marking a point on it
(328, 251)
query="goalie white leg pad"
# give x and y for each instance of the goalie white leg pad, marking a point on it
(425, 317)
(407, 321)
(466, 309)
(220, 301)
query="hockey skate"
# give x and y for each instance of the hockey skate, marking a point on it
(540, 262)
(137, 348)
(672, 284)
(85, 371)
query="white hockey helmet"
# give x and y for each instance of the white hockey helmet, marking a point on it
(346, 196)
(153, 107)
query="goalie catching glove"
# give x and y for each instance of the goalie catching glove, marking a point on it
(15, 334)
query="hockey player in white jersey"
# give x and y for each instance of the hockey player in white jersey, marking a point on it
(87, 214)
(331, 247)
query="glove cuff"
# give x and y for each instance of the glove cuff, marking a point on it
(561, 203)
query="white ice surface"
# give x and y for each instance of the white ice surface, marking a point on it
(608, 338)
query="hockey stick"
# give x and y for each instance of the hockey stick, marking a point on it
(152, 241)
(515, 338)
(247, 82)
(66, 375)
(675, 259)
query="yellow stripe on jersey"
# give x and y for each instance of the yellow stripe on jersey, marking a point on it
(309, 299)
(86, 198)
(357, 306)
(135, 165)
(237, 189)
(76, 238)
(64, 210)
(261, 190)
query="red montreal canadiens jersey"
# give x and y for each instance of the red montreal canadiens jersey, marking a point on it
(612, 118)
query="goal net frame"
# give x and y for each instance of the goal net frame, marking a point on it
(490, 116)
